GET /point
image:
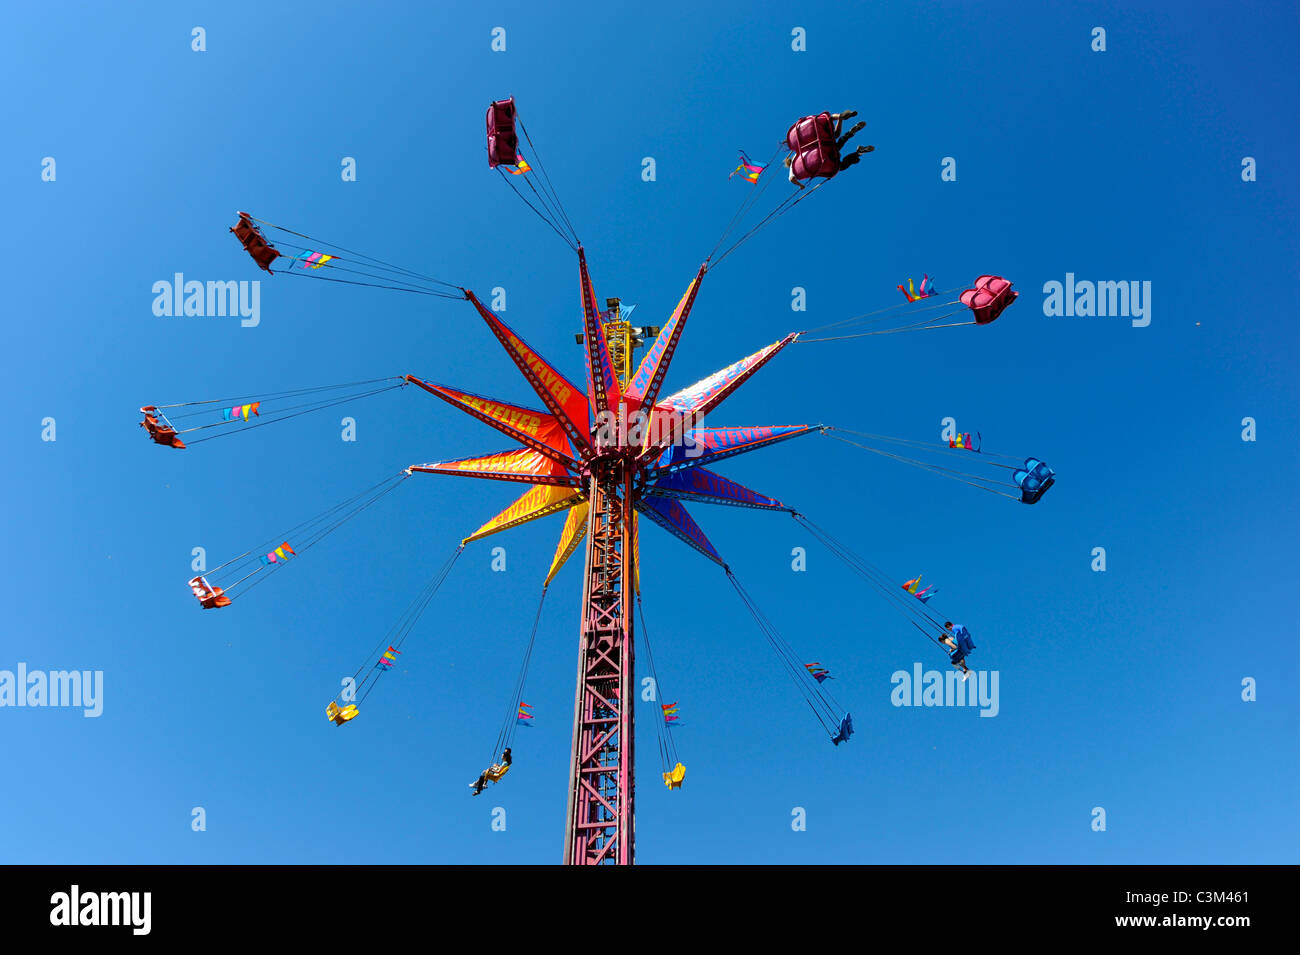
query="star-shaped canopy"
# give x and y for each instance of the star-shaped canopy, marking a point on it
(659, 439)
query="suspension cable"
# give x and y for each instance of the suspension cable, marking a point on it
(785, 206)
(507, 733)
(399, 631)
(819, 700)
(914, 610)
(546, 176)
(748, 203)
(360, 255)
(282, 414)
(668, 757)
(975, 480)
(928, 446)
(310, 532)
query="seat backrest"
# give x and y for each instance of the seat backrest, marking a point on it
(812, 140)
(501, 116)
(808, 131)
(502, 141)
(264, 255)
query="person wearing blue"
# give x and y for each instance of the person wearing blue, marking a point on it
(957, 638)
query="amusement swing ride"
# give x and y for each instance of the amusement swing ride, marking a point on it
(604, 455)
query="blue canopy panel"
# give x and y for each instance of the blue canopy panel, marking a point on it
(846, 730)
(672, 517)
(701, 484)
(1034, 480)
(707, 445)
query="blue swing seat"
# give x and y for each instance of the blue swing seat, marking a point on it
(846, 730)
(1034, 480)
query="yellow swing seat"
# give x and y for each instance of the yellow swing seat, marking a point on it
(495, 772)
(340, 715)
(674, 779)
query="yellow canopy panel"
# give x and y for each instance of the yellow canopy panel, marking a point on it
(575, 529)
(538, 502)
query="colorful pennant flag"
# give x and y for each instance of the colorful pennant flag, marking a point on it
(522, 168)
(241, 411)
(751, 170)
(388, 658)
(818, 672)
(670, 712)
(281, 553)
(912, 295)
(912, 587)
(523, 714)
(313, 260)
(963, 441)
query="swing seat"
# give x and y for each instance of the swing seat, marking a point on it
(502, 141)
(812, 140)
(254, 243)
(209, 597)
(160, 433)
(1034, 480)
(264, 255)
(339, 715)
(989, 298)
(674, 779)
(495, 772)
(846, 730)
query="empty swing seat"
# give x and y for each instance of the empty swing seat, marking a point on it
(341, 714)
(1034, 480)
(674, 779)
(502, 141)
(846, 730)
(209, 597)
(989, 298)
(163, 434)
(254, 243)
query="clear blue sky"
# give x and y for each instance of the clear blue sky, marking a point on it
(1118, 689)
